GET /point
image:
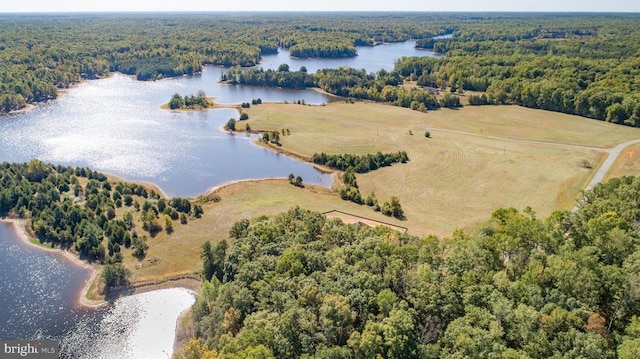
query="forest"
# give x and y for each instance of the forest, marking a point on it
(75, 208)
(40, 55)
(299, 285)
(583, 64)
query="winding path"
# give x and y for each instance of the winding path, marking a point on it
(598, 176)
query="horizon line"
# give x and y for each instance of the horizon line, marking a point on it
(76, 12)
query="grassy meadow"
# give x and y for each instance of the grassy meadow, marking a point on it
(179, 252)
(478, 159)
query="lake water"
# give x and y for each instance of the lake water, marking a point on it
(140, 326)
(27, 273)
(39, 300)
(372, 58)
(116, 125)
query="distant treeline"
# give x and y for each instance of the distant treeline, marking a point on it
(603, 89)
(281, 77)
(584, 64)
(324, 50)
(40, 54)
(347, 82)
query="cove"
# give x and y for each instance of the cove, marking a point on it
(39, 300)
(115, 125)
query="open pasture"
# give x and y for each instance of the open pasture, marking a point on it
(478, 159)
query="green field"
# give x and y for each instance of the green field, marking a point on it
(179, 252)
(453, 180)
(355, 125)
(478, 159)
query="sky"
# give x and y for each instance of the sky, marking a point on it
(321, 5)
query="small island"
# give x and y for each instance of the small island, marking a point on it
(192, 102)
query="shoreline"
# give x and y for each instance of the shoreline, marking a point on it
(301, 158)
(188, 282)
(60, 93)
(213, 105)
(147, 184)
(20, 227)
(279, 151)
(215, 189)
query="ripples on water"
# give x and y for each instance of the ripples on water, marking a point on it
(38, 290)
(116, 125)
(38, 300)
(137, 327)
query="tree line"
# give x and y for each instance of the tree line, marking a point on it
(360, 163)
(580, 64)
(281, 77)
(352, 164)
(326, 50)
(41, 54)
(584, 65)
(299, 285)
(382, 86)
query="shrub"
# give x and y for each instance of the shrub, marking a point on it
(231, 125)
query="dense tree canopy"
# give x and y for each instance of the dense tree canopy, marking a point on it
(40, 54)
(299, 285)
(584, 64)
(75, 208)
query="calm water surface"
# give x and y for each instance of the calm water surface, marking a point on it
(116, 125)
(372, 58)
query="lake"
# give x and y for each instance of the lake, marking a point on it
(372, 58)
(28, 273)
(116, 125)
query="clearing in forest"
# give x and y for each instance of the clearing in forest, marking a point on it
(478, 159)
